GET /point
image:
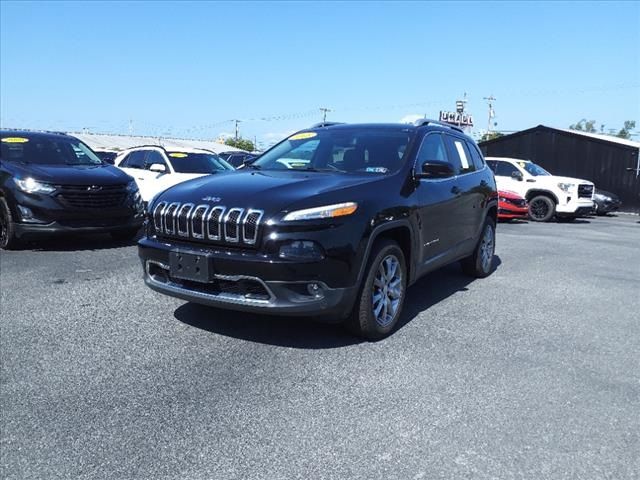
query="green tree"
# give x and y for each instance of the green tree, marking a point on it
(241, 143)
(491, 136)
(584, 125)
(625, 132)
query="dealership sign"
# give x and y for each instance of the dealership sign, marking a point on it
(456, 118)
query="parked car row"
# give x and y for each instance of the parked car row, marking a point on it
(545, 195)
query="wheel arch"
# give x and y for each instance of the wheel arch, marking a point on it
(399, 231)
(536, 192)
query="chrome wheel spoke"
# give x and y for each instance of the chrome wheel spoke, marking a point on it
(387, 291)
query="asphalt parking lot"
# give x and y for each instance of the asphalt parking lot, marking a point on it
(532, 373)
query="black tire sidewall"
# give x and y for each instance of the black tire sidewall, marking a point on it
(550, 203)
(363, 320)
(5, 213)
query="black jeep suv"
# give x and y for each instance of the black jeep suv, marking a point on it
(52, 182)
(335, 222)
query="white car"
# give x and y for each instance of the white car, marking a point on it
(546, 194)
(155, 168)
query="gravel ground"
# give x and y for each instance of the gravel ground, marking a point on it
(531, 373)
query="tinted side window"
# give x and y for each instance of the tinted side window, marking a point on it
(505, 169)
(134, 160)
(458, 155)
(432, 148)
(154, 157)
(492, 164)
(478, 161)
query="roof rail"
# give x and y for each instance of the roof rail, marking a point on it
(326, 124)
(426, 121)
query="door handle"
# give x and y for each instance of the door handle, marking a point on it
(455, 190)
(140, 178)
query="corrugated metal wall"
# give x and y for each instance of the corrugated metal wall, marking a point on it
(562, 153)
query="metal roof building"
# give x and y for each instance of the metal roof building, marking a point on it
(612, 163)
(122, 142)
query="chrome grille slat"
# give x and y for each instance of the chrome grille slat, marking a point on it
(169, 215)
(250, 225)
(204, 222)
(182, 215)
(215, 218)
(201, 224)
(232, 225)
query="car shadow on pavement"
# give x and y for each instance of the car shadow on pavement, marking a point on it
(68, 243)
(297, 332)
(293, 332)
(436, 287)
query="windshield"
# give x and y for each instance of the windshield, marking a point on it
(47, 151)
(347, 150)
(183, 162)
(533, 169)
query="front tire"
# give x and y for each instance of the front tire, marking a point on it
(379, 303)
(8, 239)
(480, 263)
(541, 208)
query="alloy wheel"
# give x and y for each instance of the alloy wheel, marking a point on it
(539, 209)
(487, 248)
(387, 290)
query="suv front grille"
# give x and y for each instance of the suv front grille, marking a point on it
(92, 196)
(585, 191)
(203, 222)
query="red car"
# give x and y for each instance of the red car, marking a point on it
(511, 205)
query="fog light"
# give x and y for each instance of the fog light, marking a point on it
(301, 249)
(27, 216)
(315, 290)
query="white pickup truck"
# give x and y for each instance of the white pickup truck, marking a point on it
(546, 194)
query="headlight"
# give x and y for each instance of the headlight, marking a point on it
(328, 211)
(132, 186)
(565, 187)
(29, 185)
(602, 198)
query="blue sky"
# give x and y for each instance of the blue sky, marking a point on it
(185, 69)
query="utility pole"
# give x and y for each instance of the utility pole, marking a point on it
(237, 122)
(130, 126)
(324, 114)
(490, 99)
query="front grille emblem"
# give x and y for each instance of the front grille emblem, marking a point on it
(94, 188)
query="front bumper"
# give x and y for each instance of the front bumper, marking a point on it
(575, 207)
(247, 283)
(37, 229)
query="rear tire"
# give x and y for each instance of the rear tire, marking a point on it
(541, 208)
(124, 235)
(8, 239)
(381, 296)
(480, 263)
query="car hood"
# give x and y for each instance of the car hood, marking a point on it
(72, 175)
(272, 191)
(510, 194)
(612, 196)
(555, 180)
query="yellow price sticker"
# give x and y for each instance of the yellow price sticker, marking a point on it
(303, 136)
(15, 140)
(178, 155)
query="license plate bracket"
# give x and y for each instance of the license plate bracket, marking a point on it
(190, 266)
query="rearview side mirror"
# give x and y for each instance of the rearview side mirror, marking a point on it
(435, 169)
(158, 168)
(516, 175)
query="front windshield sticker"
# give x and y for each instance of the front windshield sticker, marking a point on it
(522, 164)
(463, 155)
(303, 136)
(377, 170)
(178, 155)
(15, 140)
